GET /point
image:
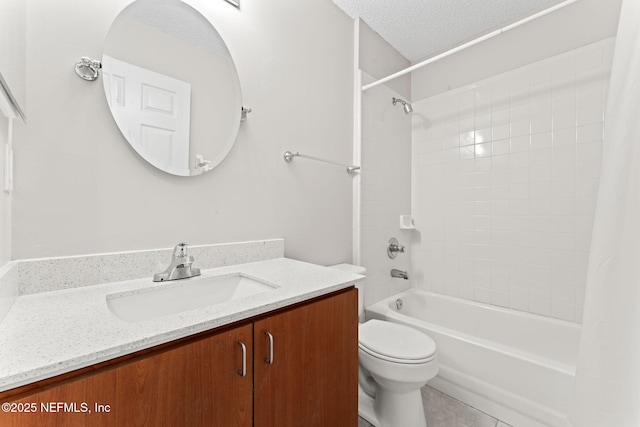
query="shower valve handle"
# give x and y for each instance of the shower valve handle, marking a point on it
(394, 248)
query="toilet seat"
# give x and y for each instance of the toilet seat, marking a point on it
(395, 343)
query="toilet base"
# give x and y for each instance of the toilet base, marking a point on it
(392, 409)
(365, 407)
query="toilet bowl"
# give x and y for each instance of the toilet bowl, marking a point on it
(395, 362)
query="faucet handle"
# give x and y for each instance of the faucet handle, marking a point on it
(180, 250)
(394, 247)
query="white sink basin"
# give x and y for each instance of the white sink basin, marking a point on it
(182, 295)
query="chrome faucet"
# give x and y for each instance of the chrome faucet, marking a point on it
(180, 267)
(399, 274)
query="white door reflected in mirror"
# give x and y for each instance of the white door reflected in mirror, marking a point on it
(153, 111)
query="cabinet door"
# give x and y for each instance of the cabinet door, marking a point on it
(311, 378)
(195, 384)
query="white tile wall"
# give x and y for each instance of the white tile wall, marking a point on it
(385, 190)
(504, 183)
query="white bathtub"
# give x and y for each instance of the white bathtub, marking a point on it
(515, 366)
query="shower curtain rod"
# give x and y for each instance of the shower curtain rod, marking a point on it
(468, 44)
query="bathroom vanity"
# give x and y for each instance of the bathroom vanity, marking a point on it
(286, 357)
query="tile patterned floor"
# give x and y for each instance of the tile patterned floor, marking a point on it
(445, 411)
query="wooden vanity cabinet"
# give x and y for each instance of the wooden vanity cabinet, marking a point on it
(193, 384)
(310, 378)
(198, 381)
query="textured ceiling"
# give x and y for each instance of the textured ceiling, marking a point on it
(420, 29)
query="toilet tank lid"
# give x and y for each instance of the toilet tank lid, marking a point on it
(350, 268)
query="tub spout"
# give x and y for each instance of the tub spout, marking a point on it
(399, 274)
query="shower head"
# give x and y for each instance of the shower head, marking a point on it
(408, 109)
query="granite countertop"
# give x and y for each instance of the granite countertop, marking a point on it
(52, 333)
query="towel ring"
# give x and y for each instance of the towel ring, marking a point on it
(87, 68)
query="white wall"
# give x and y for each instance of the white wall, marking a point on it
(505, 178)
(379, 59)
(5, 199)
(81, 189)
(385, 190)
(13, 24)
(13, 70)
(386, 167)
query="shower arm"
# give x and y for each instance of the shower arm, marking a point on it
(408, 109)
(396, 100)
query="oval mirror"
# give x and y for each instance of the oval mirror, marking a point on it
(172, 86)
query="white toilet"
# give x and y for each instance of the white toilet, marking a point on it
(395, 361)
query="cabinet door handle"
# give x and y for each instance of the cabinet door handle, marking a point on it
(269, 359)
(243, 371)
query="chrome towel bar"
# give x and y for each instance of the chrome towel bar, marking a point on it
(288, 157)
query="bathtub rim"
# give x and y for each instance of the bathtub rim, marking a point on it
(549, 363)
(491, 307)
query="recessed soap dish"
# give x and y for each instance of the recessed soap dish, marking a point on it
(406, 222)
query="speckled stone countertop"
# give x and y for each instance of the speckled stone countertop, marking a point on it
(51, 333)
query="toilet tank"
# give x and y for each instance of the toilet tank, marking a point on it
(356, 269)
